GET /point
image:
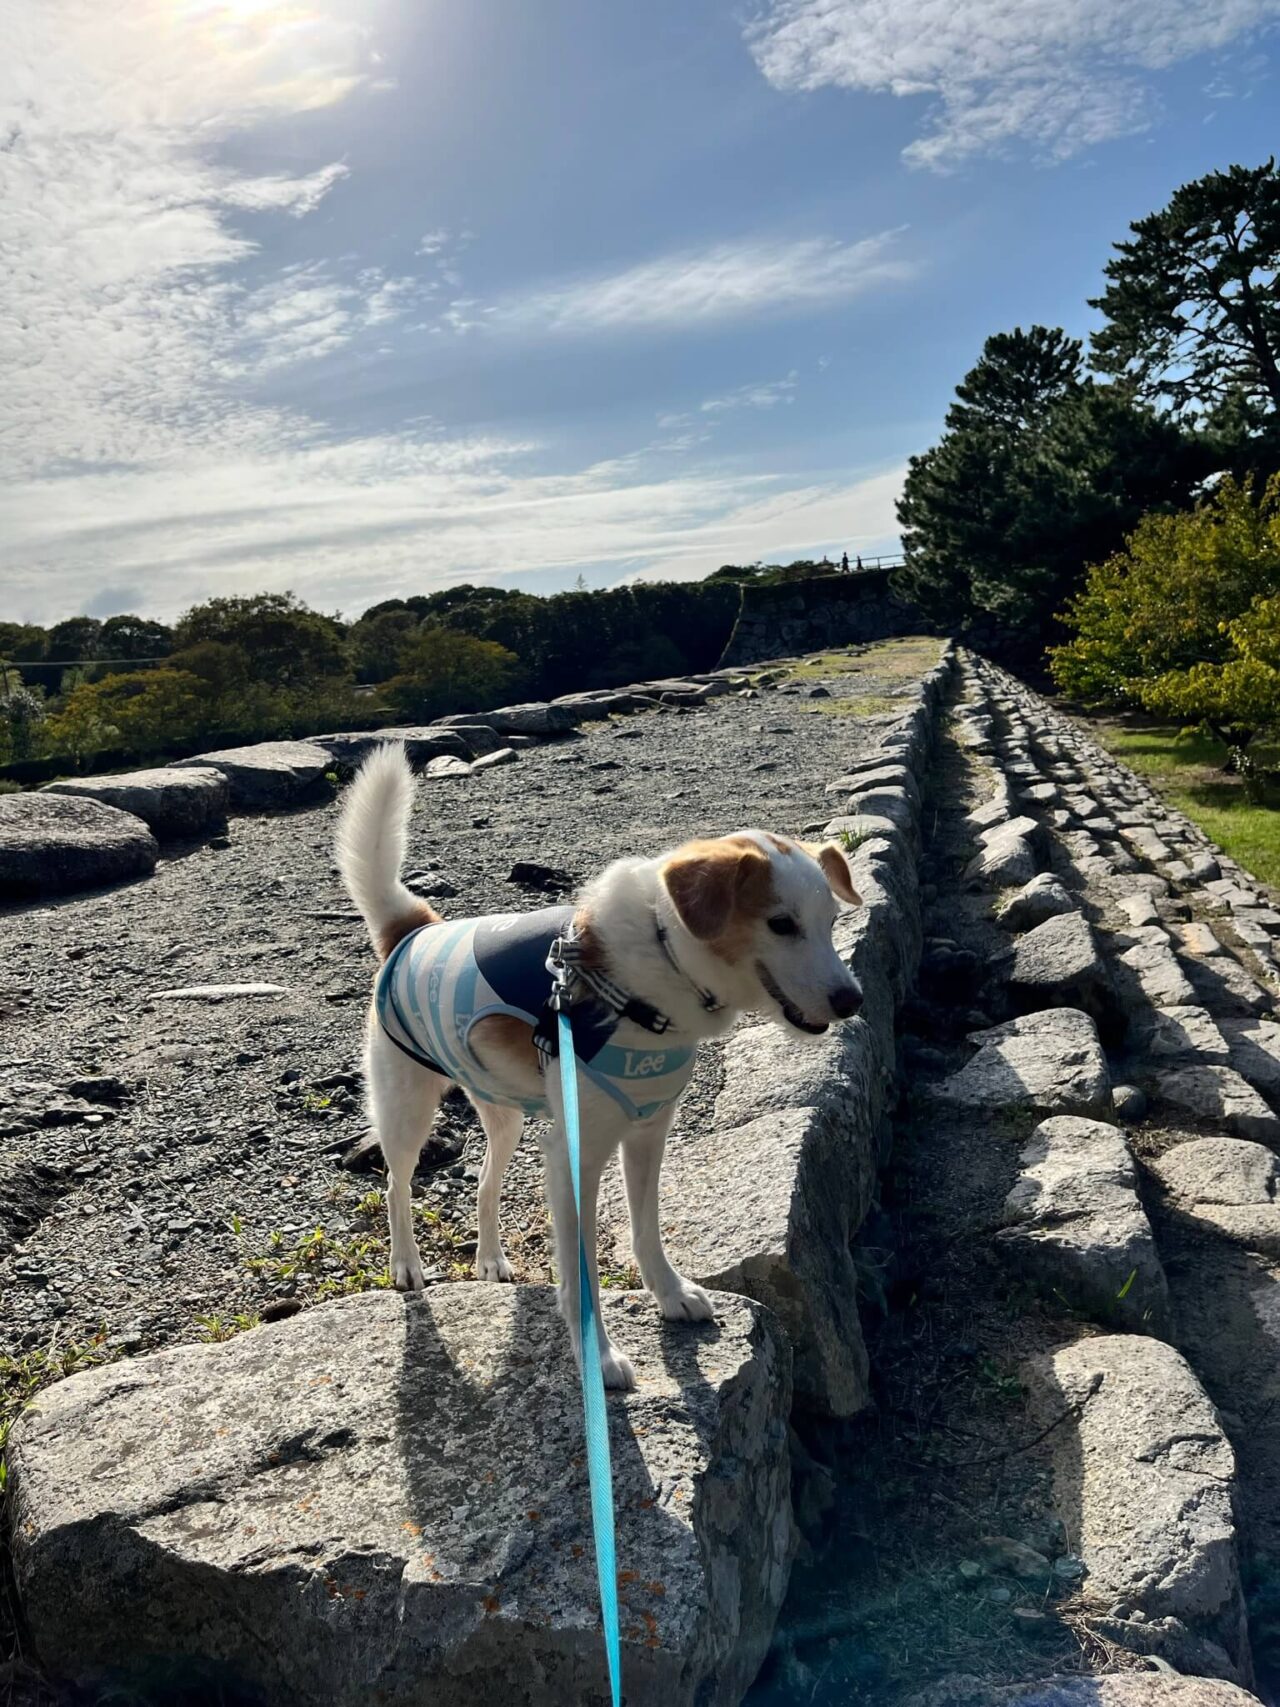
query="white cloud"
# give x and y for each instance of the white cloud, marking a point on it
(698, 287)
(1057, 78)
(763, 396)
(347, 524)
(433, 242)
(141, 328)
(121, 324)
(858, 516)
(296, 196)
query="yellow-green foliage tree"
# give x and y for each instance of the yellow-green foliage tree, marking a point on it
(441, 670)
(141, 711)
(1185, 621)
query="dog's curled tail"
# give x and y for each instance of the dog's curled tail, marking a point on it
(370, 847)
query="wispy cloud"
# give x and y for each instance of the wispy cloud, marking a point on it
(764, 396)
(1057, 79)
(699, 287)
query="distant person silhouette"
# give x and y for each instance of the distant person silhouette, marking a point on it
(844, 563)
(859, 563)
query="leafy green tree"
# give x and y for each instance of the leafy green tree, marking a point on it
(128, 638)
(1039, 471)
(442, 671)
(1192, 303)
(283, 642)
(22, 711)
(1185, 621)
(376, 642)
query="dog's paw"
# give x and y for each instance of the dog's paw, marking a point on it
(406, 1273)
(686, 1303)
(494, 1268)
(619, 1375)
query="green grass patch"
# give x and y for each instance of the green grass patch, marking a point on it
(1186, 766)
(864, 705)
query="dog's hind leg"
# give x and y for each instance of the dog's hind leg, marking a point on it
(403, 1098)
(502, 1128)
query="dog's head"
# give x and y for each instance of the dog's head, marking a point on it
(765, 906)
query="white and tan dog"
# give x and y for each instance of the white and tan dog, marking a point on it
(663, 952)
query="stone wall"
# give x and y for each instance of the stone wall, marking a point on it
(807, 616)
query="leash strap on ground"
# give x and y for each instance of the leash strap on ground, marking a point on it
(599, 1469)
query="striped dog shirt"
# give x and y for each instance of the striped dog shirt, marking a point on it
(440, 979)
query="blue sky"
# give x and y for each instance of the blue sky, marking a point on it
(367, 297)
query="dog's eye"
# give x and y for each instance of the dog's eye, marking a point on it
(783, 925)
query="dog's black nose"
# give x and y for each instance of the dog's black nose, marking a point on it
(846, 1000)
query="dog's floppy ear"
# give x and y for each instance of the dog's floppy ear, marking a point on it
(835, 868)
(709, 882)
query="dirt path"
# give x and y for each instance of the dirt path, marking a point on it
(155, 1152)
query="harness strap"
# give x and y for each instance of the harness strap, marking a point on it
(710, 1001)
(595, 1418)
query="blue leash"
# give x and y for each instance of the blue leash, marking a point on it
(599, 1469)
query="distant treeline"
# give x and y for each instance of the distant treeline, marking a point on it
(91, 694)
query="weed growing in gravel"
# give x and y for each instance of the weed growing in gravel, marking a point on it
(448, 1243)
(215, 1328)
(622, 1279)
(998, 1381)
(370, 1205)
(323, 1265)
(23, 1374)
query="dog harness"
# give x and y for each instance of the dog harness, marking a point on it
(440, 979)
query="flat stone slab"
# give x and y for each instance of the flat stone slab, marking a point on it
(1005, 861)
(535, 718)
(53, 843)
(174, 803)
(386, 1500)
(1180, 1034)
(1143, 1481)
(1149, 975)
(1253, 1047)
(1043, 898)
(268, 773)
(1228, 1185)
(1050, 1062)
(1078, 1229)
(216, 992)
(1057, 962)
(1214, 1095)
(349, 750)
(766, 1201)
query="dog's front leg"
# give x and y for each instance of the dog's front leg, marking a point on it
(642, 1151)
(615, 1367)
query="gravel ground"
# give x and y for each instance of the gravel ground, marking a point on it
(165, 1164)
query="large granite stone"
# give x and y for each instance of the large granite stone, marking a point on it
(52, 843)
(269, 773)
(1051, 1062)
(1142, 1480)
(175, 803)
(1057, 964)
(1077, 1227)
(765, 1200)
(535, 718)
(349, 750)
(1228, 1185)
(386, 1500)
(1043, 898)
(1213, 1095)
